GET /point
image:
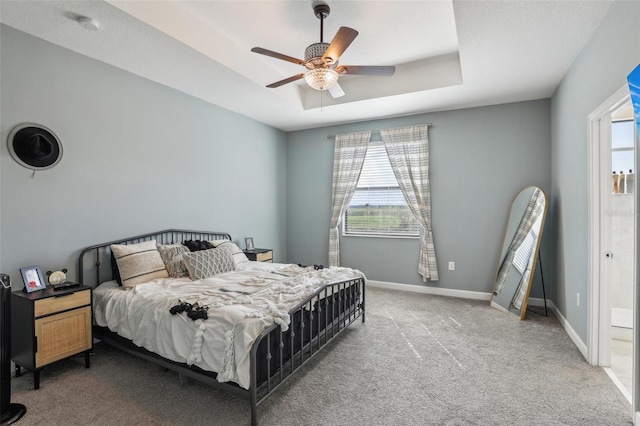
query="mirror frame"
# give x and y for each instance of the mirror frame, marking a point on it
(523, 309)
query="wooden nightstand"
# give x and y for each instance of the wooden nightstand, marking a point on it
(50, 325)
(260, 255)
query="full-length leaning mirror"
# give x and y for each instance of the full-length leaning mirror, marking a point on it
(517, 261)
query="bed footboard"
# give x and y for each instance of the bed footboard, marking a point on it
(277, 355)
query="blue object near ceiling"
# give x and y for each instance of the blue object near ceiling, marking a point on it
(634, 89)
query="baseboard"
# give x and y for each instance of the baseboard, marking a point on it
(476, 295)
(463, 294)
(534, 301)
(582, 346)
(618, 384)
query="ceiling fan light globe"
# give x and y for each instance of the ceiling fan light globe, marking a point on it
(321, 78)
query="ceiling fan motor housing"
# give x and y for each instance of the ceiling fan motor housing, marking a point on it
(314, 53)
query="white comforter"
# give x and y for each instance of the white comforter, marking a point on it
(241, 305)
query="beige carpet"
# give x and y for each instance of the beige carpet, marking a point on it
(417, 360)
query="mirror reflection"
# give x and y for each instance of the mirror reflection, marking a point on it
(517, 261)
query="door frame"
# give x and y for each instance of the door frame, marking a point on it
(599, 305)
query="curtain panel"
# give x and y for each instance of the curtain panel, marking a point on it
(408, 152)
(348, 158)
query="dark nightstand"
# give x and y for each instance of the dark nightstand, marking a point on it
(260, 255)
(50, 325)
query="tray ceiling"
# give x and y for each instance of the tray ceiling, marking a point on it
(448, 54)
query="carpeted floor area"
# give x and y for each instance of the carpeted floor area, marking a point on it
(417, 360)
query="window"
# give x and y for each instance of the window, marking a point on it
(378, 207)
(622, 140)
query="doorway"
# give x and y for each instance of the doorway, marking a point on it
(622, 246)
(612, 239)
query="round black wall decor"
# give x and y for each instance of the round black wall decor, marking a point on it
(34, 146)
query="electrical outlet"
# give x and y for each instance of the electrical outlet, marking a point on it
(452, 266)
(577, 299)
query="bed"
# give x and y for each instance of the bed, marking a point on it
(241, 326)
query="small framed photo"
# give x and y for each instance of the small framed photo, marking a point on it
(249, 243)
(32, 277)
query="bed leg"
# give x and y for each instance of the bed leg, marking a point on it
(254, 410)
(362, 305)
(253, 385)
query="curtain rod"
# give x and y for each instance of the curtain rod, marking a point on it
(372, 132)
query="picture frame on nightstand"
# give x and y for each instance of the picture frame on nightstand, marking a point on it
(32, 278)
(248, 242)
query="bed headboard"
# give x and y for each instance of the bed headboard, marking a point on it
(94, 264)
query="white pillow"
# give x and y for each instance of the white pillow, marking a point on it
(207, 263)
(238, 255)
(138, 263)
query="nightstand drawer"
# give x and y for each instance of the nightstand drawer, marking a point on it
(56, 304)
(264, 257)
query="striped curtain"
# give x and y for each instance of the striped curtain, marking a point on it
(408, 152)
(348, 157)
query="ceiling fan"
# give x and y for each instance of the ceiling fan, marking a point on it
(321, 60)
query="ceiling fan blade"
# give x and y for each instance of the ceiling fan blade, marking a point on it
(286, 80)
(336, 91)
(339, 44)
(366, 70)
(277, 55)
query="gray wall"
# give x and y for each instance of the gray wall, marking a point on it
(138, 157)
(596, 74)
(480, 159)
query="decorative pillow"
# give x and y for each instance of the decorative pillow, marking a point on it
(138, 263)
(171, 255)
(238, 255)
(197, 245)
(207, 263)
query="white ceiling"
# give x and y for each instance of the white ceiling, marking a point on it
(448, 54)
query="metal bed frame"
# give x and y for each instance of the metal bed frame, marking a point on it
(275, 355)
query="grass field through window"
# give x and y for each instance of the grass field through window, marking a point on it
(380, 220)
